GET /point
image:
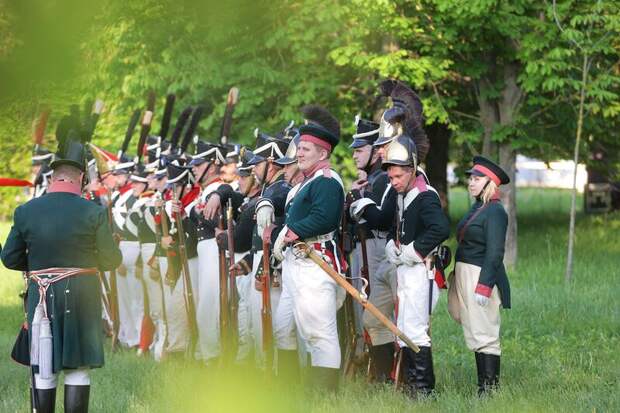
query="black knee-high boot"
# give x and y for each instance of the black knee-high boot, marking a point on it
(382, 357)
(417, 371)
(76, 399)
(46, 400)
(488, 366)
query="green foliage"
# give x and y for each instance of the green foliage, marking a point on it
(288, 53)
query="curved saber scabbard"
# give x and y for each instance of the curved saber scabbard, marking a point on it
(309, 252)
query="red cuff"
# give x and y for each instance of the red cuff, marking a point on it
(483, 290)
(290, 236)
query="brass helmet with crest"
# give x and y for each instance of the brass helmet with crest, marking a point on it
(402, 124)
(400, 151)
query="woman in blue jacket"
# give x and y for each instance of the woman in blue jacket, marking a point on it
(481, 284)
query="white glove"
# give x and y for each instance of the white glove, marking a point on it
(392, 252)
(410, 256)
(481, 299)
(264, 217)
(278, 246)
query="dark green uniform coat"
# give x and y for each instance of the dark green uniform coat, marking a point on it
(316, 208)
(481, 243)
(61, 229)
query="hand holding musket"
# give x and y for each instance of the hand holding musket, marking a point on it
(309, 252)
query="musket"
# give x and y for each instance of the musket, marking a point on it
(105, 297)
(351, 359)
(368, 306)
(224, 307)
(349, 309)
(266, 320)
(231, 101)
(145, 126)
(232, 278)
(188, 293)
(147, 326)
(154, 264)
(114, 314)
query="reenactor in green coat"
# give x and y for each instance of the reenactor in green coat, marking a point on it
(313, 213)
(481, 285)
(60, 241)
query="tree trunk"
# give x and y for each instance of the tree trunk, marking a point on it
(489, 118)
(495, 112)
(437, 160)
(507, 160)
(573, 202)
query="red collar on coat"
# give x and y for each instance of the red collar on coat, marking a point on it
(65, 186)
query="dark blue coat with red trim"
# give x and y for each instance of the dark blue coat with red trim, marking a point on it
(481, 243)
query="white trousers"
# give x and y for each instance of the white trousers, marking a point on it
(480, 324)
(153, 286)
(245, 342)
(130, 296)
(284, 329)
(208, 314)
(316, 298)
(382, 276)
(256, 309)
(77, 377)
(413, 303)
(177, 327)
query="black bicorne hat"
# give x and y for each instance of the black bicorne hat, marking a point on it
(233, 151)
(290, 156)
(366, 132)
(124, 165)
(267, 147)
(178, 172)
(244, 168)
(486, 167)
(207, 152)
(140, 174)
(41, 156)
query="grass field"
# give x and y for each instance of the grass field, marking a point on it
(560, 342)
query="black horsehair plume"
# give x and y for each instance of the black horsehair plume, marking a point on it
(191, 129)
(320, 116)
(404, 97)
(68, 128)
(92, 111)
(165, 120)
(146, 124)
(133, 122)
(178, 129)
